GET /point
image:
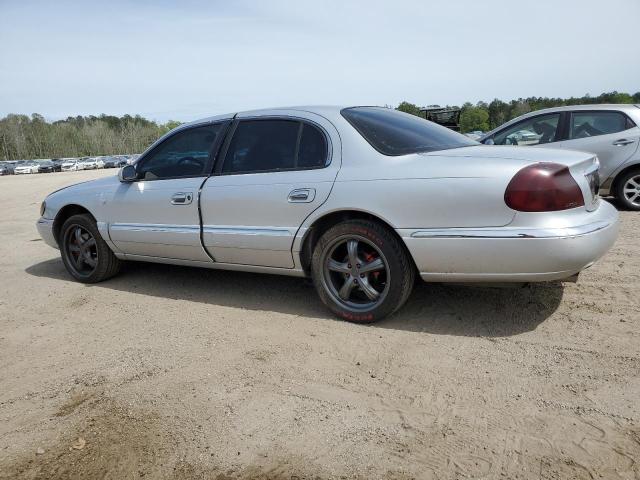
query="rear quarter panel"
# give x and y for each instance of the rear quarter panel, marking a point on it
(421, 190)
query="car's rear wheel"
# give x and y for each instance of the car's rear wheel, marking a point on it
(362, 271)
(85, 254)
(628, 190)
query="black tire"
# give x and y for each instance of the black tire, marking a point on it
(393, 282)
(91, 261)
(623, 187)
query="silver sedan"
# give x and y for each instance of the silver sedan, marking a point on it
(361, 199)
(609, 131)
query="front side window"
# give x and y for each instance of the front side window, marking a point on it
(532, 131)
(185, 154)
(395, 133)
(275, 145)
(592, 124)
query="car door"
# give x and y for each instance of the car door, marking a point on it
(157, 215)
(538, 131)
(611, 135)
(274, 171)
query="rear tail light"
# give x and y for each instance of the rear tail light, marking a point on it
(543, 187)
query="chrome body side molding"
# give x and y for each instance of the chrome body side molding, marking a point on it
(512, 232)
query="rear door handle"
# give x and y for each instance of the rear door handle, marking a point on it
(622, 142)
(302, 195)
(181, 198)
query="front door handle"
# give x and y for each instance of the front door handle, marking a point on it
(622, 142)
(181, 198)
(302, 195)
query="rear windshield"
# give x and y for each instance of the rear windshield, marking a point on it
(396, 133)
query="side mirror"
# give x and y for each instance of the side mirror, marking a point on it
(128, 174)
(489, 141)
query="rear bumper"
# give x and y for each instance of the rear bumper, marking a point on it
(515, 254)
(45, 229)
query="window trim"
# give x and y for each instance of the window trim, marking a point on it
(559, 128)
(594, 111)
(213, 152)
(222, 154)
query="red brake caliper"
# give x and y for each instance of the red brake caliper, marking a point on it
(369, 257)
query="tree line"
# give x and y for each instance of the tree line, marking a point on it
(30, 137)
(487, 116)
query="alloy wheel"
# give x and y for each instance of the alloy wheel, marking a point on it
(355, 273)
(631, 190)
(81, 250)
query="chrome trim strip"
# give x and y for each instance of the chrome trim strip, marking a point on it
(512, 232)
(137, 227)
(45, 222)
(267, 231)
(222, 230)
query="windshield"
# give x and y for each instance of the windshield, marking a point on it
(396, 133)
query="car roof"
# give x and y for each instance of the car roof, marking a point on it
(327, 111)
(599, 106)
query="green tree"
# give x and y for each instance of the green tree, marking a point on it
(409, 108)
(171, 124)
(474, 118)
(497, 113)
(23, 137)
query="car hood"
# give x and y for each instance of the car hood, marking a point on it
(97, 185)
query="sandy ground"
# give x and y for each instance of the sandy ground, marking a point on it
(178, 373)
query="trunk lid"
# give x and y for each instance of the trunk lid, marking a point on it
(584, 167)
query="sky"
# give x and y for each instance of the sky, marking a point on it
(188, 59)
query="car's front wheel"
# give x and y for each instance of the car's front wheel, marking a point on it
(362, 271)
(628, 190)
(85, 254)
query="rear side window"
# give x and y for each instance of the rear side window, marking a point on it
(395, 133)
(275, 145)
(592, 124)
(313, 147)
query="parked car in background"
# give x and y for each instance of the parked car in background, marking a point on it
(57, 163)
(6, 168)
(522, 137)
(360, 199)
(475, 135)
(611, 132)
(114, 162)
(90, 163)
(99, 162)
(110, 162)
(70, 165)
(46, 166)
(27, 167)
